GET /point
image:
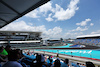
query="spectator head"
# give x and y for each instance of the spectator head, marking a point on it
(43, 54)
(38, 58)
(8, 48)
(13, 55)
(57, 55)
(83, 64)
(37, 54)
(1, 49)
(20, 55)
(42, 58)
(77, 63)
(49, 57)
(66, 61)
(51, 60)
(89, 64)
(57, 63)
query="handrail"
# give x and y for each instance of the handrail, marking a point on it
(83, 48)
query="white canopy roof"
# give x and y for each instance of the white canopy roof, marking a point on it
(94, 35)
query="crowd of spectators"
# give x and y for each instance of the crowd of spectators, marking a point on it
(88, 41)
(17, 58)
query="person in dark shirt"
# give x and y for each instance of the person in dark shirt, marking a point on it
(89, 64)
(65, 64)
(57, 63)
(13, 56)
(8, 48)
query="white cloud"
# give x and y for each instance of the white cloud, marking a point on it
(97, 32)
(30, 23)
(49, 17)
(22, 26)
(91, 24)
(33, 14)
(58, 12)
(42, 9)
(54, 33)
(61, 14)
(84, 23)
(80, 29)
(73, 35)
(46, 7)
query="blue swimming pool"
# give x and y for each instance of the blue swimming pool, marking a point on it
(82, 53)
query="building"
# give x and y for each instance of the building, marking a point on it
(20, 38)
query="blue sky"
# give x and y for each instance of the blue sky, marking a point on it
(61, 19)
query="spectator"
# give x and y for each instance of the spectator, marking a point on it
(49, 65)
(42, 58)
(2, 60)
(57, 55)
(13, 56)
(89, 64)
(74, 64)
(3, 51)
(57, 63)
(20, 53)
(77, 65)
(8, 48)
(49, 61)
(65, 64)
(83, 65)
(38, 61)
(3, 54)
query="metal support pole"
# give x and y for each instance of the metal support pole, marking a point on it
(90, 56)
(71, 54)
(64, 52)
(80, 54)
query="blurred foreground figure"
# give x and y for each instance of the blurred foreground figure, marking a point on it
(13, 56)
(57, 63)
(3, 51)
(8, 48)
(89, 64)
(65, 64)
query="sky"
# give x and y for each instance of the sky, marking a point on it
(61, 19)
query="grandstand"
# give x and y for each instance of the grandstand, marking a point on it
(20, 38)
(53, 42)
(93, 40)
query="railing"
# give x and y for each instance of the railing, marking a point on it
(87, 54)
(70, 54)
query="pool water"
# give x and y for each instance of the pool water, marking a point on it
(82, 53)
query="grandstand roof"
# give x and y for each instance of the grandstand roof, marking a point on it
(11, 10)
(85, 36)
(19, 35)
(19, 32)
